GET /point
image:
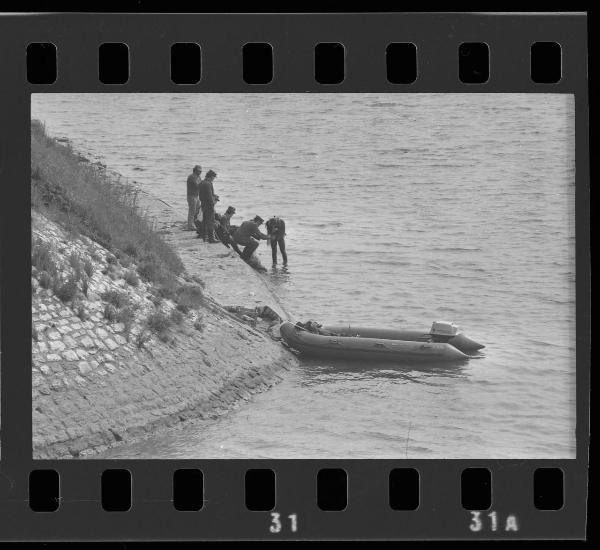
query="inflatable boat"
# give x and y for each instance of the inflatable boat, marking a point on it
(442, 343)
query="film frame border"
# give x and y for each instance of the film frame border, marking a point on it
(293, 37)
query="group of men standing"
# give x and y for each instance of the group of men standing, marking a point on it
(201, 197)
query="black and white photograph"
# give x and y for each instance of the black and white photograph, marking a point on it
(303, 275)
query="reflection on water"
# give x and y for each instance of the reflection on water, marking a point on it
(400, 209)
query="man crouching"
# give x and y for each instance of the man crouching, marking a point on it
(248, 235)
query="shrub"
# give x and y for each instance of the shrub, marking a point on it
(81, 312)
(88, 267)
(126, 316)
(156, 300)
(142, 338)
(149, 268)
(199, 325)
(111, 259)
(85, 284)
(158, 322)
(132, 278)
(116, 298)
(125, 260)
(183, 308)
(77, 265)
(67, 291)
(167, 292)
(46, 280)
(110, 313)
(191, 296)
(131, 250)
(176, 316)
(41, 258)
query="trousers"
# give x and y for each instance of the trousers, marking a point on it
(193, 206)
(208, 221)
(249, 249)
(274, 242)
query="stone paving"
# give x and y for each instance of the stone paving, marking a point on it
(93, 386)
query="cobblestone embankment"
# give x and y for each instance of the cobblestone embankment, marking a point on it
(101, 377)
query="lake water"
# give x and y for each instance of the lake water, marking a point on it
(401, 209)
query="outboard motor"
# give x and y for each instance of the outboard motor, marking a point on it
(442, 331)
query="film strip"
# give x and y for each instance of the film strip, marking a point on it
(256, 441)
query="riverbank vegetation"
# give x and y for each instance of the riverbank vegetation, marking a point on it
(85, 199)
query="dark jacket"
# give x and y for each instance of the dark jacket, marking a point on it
(248, 230)
(193, 183)
(206, 193)
(275, 227)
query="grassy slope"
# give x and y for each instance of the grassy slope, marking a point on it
(86, 200)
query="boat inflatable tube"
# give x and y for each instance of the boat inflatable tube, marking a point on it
(459, 341)
(367, 343)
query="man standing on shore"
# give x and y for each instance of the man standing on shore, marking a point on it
(247, 236)
(207, 202)
(276, 231)
(193, 184)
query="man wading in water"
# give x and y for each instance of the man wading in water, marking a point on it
(193, 184)
(207, 202)
(276, 231)
(247, 236)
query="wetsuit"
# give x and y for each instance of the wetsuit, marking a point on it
(276, 230)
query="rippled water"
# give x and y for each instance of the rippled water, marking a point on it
(401, 209)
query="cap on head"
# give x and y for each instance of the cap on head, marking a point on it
(211, 174)
(258, 219)
(230, 210)
(197, 168)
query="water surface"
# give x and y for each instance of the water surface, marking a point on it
(401, 209)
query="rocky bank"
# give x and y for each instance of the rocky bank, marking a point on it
(115, 359)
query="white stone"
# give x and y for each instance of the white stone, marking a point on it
(112, 345)
(120, 340)
(70, 355)
(108, 357)
(69, 342)
(101, 333)
(101, 372)
(53, 334)
(84, 367)
(79, 380)
(57, 345)
(110, 367)
(81, 353)
(52, 357)
(42, 347)
(118, 327)
(45, 369)
(87, 342)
